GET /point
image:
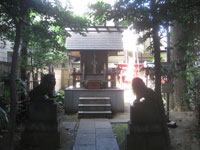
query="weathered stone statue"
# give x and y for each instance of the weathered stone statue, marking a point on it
(42, 127)
(46, 86)
(145, 107)
(146, 130)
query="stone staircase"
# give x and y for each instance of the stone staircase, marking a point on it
(94, 107)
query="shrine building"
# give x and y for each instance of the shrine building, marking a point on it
(94, 92)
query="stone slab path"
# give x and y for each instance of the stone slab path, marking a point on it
(95, 134)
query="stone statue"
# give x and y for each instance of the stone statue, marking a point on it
(46, 87)
(146, 111)
(141, 91)
(42, 127)
(147, 128)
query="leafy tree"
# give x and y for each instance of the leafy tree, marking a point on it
(145, 16)
(47, 36)
(15, 16)
(99, 13)
(149, 16)
(186, 50)
(13, 13)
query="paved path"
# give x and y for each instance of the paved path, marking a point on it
(95, 134)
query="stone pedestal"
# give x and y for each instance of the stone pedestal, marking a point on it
(41, 130)
(145, 131)
(72, 98)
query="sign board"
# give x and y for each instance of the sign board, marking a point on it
(94, 85)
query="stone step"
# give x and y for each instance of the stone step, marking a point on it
(94, 107)
(94, 100)
(94, 114)
(80, 98)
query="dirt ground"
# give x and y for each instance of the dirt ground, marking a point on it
(186, 136)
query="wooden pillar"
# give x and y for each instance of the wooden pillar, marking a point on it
(106, 69)
(82, 68)
(82, 76)
(74, 77)
(113, 78)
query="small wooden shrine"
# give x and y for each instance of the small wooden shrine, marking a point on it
(96, 79)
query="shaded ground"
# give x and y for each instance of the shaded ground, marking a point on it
(185, 137)
(68, 131)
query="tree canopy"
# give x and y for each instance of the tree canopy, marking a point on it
(42, 24)
(99, 12)
(149, 16)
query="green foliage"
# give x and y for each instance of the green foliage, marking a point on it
(16, 24)
(193, 74)
(60, 96)
(166, 72)
(3, 119)
(99, 12)
(5, 99)
(119, 130)
(152, 15)
(45, 27)
(47, 36)
(142, 14)
(184, 12)
(162, 58)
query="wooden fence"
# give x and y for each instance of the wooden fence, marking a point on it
(63, 77)
(5, 68)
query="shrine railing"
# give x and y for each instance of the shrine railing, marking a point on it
(109, 80)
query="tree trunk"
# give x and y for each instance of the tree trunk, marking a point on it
(156, 47)
(177, 58)
(13, 105)
(23, 66)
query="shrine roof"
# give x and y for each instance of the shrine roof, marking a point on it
(97, 38)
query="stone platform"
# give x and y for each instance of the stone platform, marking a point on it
(72, 96)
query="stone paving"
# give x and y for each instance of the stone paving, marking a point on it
(95, 134)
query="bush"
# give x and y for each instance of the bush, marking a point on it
(60, 97)
(3, 119)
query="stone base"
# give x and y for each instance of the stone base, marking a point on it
(41, 130)
(145, 142)
(41, 126)
(41, 140)
(43, 110)
(145, 137)
(144, 113)
(145, 130)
